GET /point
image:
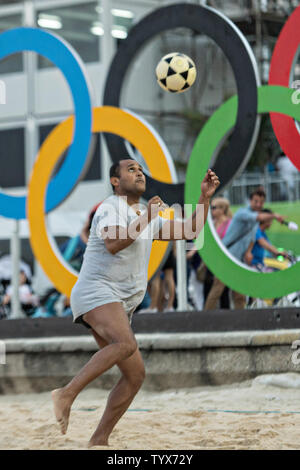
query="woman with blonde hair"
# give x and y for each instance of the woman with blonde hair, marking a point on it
(222, 215)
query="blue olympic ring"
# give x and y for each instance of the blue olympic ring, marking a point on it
(68, 61)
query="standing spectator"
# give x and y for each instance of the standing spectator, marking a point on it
(154, 290)
(287, 172)
(162, 283)
(221, 214)
(168, 281)
(222, 217)
(195, 286)
(239, 240)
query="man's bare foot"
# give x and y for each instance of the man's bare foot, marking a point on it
(62, 407)
(100, 441)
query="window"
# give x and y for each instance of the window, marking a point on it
(75, 24)
(12, 63)
(12, 158)
(122, 22)
(94, 172)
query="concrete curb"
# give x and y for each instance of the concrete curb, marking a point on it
(159, 341)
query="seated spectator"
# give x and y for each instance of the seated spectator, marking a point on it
(262, 243)
(27, 298)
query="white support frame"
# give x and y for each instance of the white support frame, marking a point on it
(6, 10)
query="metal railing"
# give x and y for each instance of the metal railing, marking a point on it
(280, 7)
(277, 188)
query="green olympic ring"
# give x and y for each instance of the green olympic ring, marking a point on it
(228, 269)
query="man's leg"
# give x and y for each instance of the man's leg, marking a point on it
(111, 323)
(214, 294)
(239, 300)
(170, 284)
(133, 374)
(155, 291)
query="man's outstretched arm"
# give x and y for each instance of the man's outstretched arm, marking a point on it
(117, 238)
(191, 227)
(271, 248)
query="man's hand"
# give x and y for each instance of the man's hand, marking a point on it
(285, 254)
(209, 184)
(279, 218)
(155, 205)
(248, 258)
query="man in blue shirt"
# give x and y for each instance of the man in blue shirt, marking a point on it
(239, 240)
(242, 230)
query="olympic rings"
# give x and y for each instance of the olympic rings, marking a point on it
(237, 114)
(280, 70)
(234, 45)
(215, 255)
(105, 119)
(68, 61)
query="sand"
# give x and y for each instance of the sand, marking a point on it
(224, 417)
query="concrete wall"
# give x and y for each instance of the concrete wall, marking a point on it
(176, 360)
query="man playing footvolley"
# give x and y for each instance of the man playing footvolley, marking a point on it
(112, 283)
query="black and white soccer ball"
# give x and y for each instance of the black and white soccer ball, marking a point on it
(176, 72)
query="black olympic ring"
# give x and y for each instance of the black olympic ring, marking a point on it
(235, 47)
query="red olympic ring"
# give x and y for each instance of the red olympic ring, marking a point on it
(280, 68)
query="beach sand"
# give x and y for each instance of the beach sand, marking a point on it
(223, 417)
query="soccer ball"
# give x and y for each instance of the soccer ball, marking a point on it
(175, 72)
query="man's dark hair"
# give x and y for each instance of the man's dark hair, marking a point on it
(258, 192)
(115, 171)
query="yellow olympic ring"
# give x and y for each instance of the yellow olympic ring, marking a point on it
(105, 119)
